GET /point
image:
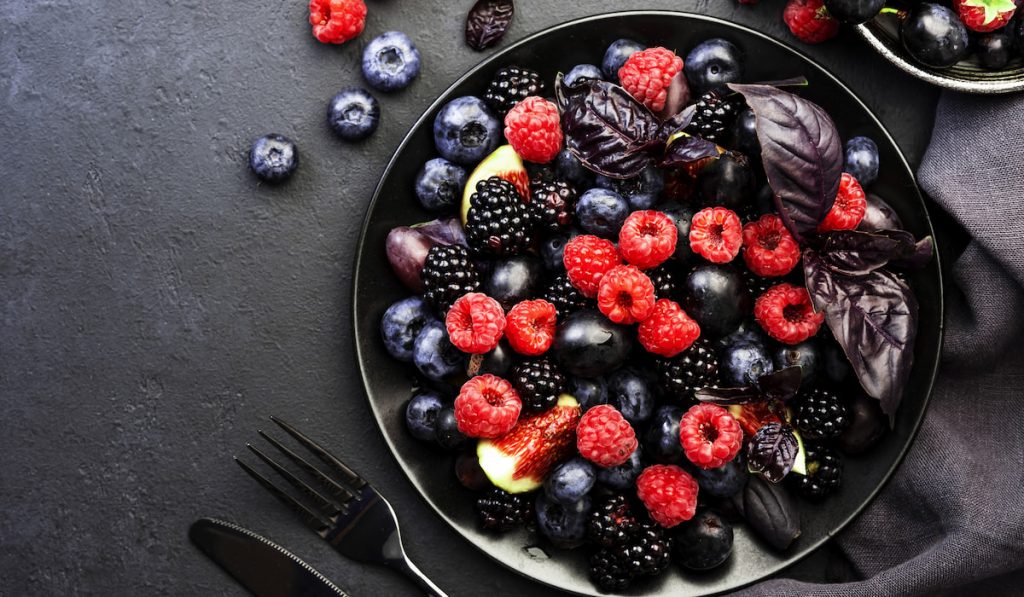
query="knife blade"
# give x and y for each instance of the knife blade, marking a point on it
(263, 567)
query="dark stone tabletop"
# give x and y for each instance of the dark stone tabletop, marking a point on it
(157, 304)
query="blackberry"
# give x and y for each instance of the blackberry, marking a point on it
(755, 283)
(820, 414)
(665, 280)
(538, 383)
(499, 222)
(447, 274)
(713, 116)
(611, 522)
(648, 553)
(695, 368)
(510, 86)
(564, 296)
(824, 472)
(552, 204)
(499, 510)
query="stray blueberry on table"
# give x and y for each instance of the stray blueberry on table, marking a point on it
(353, 114)
(273, 158)
(390, 61)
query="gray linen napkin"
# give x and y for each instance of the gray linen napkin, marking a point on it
(951, 521)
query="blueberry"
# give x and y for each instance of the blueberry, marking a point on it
(273, 158)
(469, 473)
(498, 361)
(641, 192)
(569, 168)
(513, 280)
(582, 71)
(565, 525)
(661, 440)
(401, 324)
(727, 182)
(682, 215)
(446, 430)
(724, 481)
(466, 130)
(807, 355)
(570, 481)
(744, 134)
(421, 415)
(602, 212)
(994, 50)
(711, 65)
(587, 344)
(703, 542)
(390, 61)
(433, 353)
(716, 297)
(934, 35)
(622, 477)
(552, 249)
(439, 185)
(629, 391)
(862, 160)
(589, 391)
(353, 114)
(616, 55)
(744, 363)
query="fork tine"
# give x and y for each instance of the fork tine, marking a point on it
(323, 503)
(312, 519)
(333, 486)
(329, 459)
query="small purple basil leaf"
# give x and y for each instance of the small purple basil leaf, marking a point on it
(924, 250)
(772, 452)
(874, 320)
(443, 232)
(818, 279)
(607, 130)
(780, 385)
(727, 396)
(856, 253)
(687, 150)
(802, 154)
(677, 123)
(791, 82)
(770, 511)
(678, 96)
(487, 23)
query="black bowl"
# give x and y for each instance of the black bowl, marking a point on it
(388, 383)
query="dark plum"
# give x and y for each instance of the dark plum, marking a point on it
(854, 12)
(703, 542)
(807, 355)
(513, 280)
(867, 425)
(716, 297)
(713, 64)
(497, 362)
(744, 134)
(994, 50)
(727, 182)
(934, 35)
(661, 440)
(589, 391)
(447, 431)
(587, 344)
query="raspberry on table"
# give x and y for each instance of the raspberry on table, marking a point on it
(769, 250)
(716, 234)
(647, 74)
(785, 311)
(530, 327)
(475, 323)
(605, 437)
(647, 238)
(587, 258)
(337, 21)
(625, 295)
(487, 406)
(849, 207)
(539, 383)
(511, 85)
(710, 435)
(810, 21)
(669, 330)
(669, 493)
(532, 128)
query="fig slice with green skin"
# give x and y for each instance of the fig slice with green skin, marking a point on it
(504, 163)
(519, 461)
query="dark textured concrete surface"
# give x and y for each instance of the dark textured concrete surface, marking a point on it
(156, 303)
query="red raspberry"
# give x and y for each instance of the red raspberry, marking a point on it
(769, 250)
(647, 239)
(587, 258)
(487, 406)
(533, 130)
(786, 313)
(716, 234)
(626, 295)
(336, 21)
(669, 493)
(605, 437)
(710, 435)
(669, 330)
(849, 208)
(985, 15)
(646, 75)
(475, 323)
(809, 21)
(531, 327)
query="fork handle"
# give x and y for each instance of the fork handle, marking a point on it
(409, 569)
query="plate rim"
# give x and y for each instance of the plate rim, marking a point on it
(487, 62)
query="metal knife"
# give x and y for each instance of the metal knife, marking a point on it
(259, 564)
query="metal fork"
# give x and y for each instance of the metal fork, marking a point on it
(355, 519)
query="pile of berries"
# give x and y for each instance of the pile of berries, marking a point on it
(563, 322)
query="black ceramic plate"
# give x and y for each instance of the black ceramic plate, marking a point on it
(389, 383)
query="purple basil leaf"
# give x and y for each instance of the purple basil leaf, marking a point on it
(606, 129)
(818, 279)
(856, 253)
(677, 123)
(780, 385)
(924, 250)
(743, 395)
(802, 154)
(687, 150)
(487, 23)
(772, 452)
(791, 82)
(448, 231)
